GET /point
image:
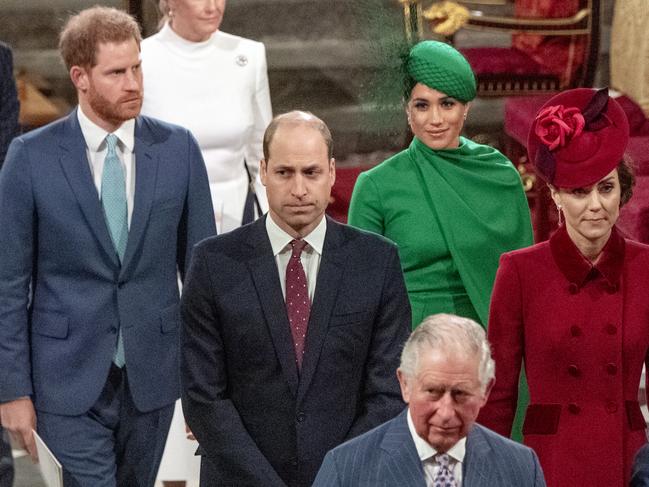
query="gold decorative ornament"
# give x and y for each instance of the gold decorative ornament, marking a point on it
(446, 17)
(412, 19)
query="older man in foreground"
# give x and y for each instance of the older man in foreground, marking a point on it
(446, 374)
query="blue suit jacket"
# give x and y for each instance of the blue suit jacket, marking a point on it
(58, 348)
(387, 457)
(258, 421)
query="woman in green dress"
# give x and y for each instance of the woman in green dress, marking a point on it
(452, 205)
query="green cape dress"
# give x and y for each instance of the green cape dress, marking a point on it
(452, 213)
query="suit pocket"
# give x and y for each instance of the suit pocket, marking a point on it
(348, 318)
(542, 419)
(170, 319)
(50, 324)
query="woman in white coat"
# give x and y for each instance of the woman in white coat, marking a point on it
(216, 85)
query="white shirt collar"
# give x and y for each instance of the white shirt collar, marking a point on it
(279, 239)
(95, 135)
(426, 451)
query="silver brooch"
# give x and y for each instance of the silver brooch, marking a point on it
(241, 60)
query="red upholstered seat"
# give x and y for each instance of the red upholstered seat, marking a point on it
(634, 216)
(554, 45)
(502, 60)
(341, 193)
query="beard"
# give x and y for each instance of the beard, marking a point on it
(115, 112)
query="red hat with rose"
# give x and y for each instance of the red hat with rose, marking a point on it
(578, 137)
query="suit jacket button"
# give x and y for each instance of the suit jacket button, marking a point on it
(113, 329)
(573, 370)
(575, 331)
(611, 329)
(573, 288)
(300, 417)
(573, 408)
(120, 284)
(611, 407)
(611, 368)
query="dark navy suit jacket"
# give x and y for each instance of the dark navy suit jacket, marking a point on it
(58, 348)
(9, 105)
(258, 421)
(640, 473)
(387, 457)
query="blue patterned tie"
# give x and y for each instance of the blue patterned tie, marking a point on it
(113, 199)
(444, 477)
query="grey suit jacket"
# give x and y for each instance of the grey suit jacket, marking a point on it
(386, 456)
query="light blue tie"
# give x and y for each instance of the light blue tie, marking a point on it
(113, 199)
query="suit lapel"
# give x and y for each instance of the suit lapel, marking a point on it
(266, 278)
(74, 161)
(326, 291)
(146, 170)
(401, 464)
(479, 463)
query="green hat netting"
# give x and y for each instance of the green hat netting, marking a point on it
(441, 67)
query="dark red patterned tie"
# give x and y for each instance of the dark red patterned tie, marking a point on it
(298, 305)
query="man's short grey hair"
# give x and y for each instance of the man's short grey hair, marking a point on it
(449, 334)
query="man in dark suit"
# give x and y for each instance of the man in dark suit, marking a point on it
(446, 374)
(292, 325)
(100, 210)
(9, 104)
(9, 110)
(640, 472)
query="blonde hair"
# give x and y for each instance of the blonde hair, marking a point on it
(163, 7)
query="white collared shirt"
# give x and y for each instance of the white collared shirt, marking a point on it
(96, 149)
(311, 255)
(427, 452)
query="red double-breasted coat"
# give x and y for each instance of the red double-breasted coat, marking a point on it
(583, 334)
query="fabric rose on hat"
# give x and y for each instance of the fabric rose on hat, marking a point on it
(557, 125)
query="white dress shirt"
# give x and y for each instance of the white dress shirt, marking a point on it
(311, 255)
(427, 453)
(96, 150)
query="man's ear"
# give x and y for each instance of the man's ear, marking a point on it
(403, 383)
(263, 169)
(487, 391)
(79, 77)
(332, 170)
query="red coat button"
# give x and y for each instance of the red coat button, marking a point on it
(611, 369)
(575, 331)
(573, 288)
(573, 408)
(611, 407)
(573, 370)
(612, 288)
(611, 329)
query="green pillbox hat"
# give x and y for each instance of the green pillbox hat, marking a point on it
(441, 67)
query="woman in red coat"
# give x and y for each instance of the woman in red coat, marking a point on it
(575, 309)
